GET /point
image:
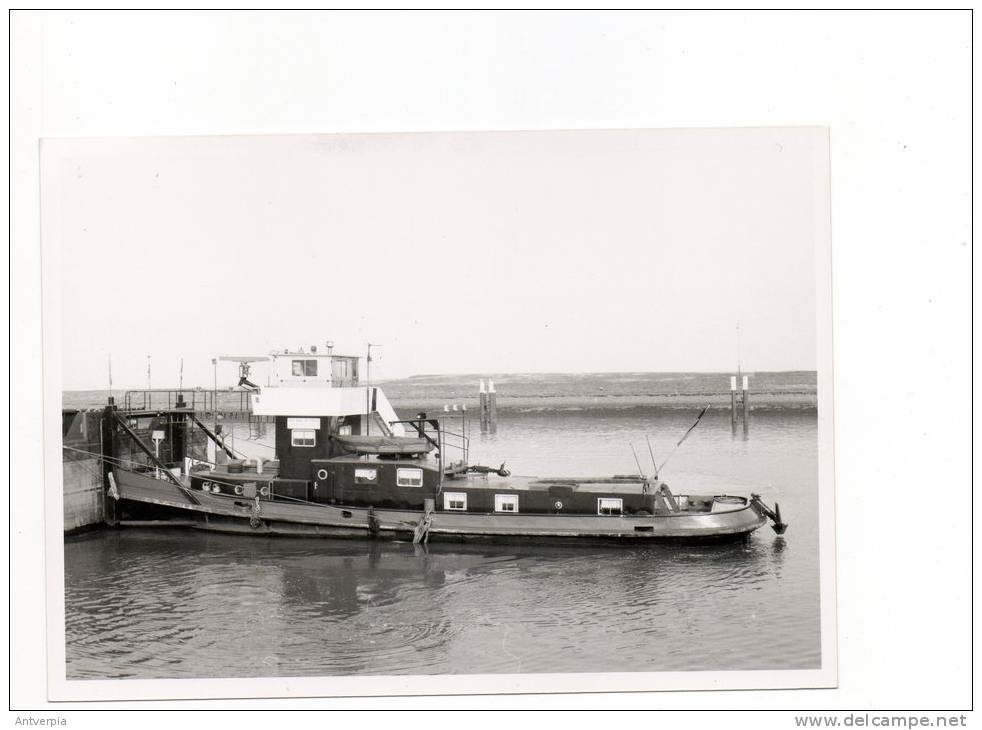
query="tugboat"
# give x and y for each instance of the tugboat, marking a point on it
(347, 466)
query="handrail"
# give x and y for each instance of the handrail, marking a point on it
(222, 401)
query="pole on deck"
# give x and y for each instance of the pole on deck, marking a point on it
(214, 395)
(733, 408)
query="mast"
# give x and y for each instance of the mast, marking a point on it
(368, 388)
(738, 352)
(110, 363)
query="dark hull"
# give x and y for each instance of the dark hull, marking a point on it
(145, 498)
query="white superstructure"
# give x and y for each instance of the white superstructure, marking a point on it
(320, 383)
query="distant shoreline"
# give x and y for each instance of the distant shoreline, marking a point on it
(568, 392)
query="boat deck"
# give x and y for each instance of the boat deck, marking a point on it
(226, 512)
(490, 482)
(529, 484)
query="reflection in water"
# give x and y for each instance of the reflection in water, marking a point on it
(170, 603)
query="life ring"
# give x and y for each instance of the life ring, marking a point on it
(322, 474)
(216, 488)
(238, 489)
(558, 504)
(264, 491)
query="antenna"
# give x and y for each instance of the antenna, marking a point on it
(640, 471)
(149, 386)
(652, 454)
(180, 379)
(684, 437)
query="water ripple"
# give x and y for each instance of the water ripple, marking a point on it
(161, 603)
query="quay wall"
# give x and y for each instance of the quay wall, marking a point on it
(83, 494)
(82, 485)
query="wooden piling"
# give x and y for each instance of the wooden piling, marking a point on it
(107, 438)
(484, 407)
(733, 406)
(746, 406)
(492, 407)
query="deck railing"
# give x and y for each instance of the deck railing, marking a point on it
(226, 402)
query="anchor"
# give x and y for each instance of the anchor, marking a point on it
(501, 471)
(774, 514)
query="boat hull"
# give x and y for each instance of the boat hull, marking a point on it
(227, 513)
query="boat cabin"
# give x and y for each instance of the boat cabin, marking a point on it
(343, 444)
(313, 368)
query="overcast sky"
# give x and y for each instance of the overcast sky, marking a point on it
(470, 252)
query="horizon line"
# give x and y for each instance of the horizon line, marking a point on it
(477, 375)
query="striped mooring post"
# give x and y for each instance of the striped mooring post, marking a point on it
(744, 411)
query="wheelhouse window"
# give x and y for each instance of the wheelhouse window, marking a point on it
(366, 476)
(456, 501)
(344, 430)
(506, 503)
(409, 477)
(303, 437)
(610, 506)
(304, 368)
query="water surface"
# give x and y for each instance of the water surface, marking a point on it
(171, 603)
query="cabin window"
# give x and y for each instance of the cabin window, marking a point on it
(455, 501)
(366, 476)
(610, 506)
(344, 430)
(506, 503)
(409, 477)
(303, 437)
(304, 368)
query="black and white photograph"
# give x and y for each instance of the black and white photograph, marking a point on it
(442, 404)
(433, 409)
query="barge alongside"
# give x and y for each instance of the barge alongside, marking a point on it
(346, 466)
